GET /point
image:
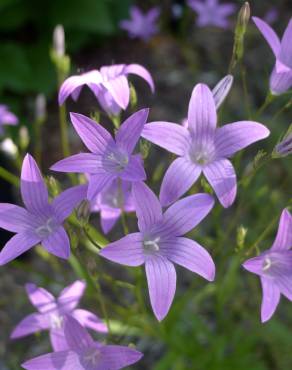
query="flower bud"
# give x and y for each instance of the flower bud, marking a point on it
(24, 138)
(59, 40)
(284, 148)
(83, 211)
(40, 108)
(244, 15)
(9, 148)
(222, 89)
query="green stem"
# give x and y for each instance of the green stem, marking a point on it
(64, 132)
(9, 177)
(124, 223)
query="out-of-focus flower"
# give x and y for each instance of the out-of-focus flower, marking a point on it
(6, 118)
(141, 25)
(203, 148)
(110, 85)
(274, 266)
(41, 221)
(271, 16)
(212, 13)
(84, 353)
(159, 244)
(109, 159)
(9, 148)
(24, 138)
(281, 77)
(51, 312)
(111, 202)
(40, 108)
(59, 40)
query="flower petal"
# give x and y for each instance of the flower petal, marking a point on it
(233, 137)
(119, 89)
(70, 296)
(147, 205)
(283, 239)
(98, 182)
(58, 340)
(126, 251)
(33, 189)
(58, 243)
(40, 298)
(89, 320)
(189, 254)
(117, 357)
(29, 325)
(186, 213)
(161, 278)
(254, 265)
(14, 218)
(80, 163)
(75, 334)
(178, 179)
(130, 131)
(62, 360)
(170, 136)
(269, 34)
(96, 138)
(64, 203)
(280, 82)
(134, 170)
(202, 116)
(221, 90)
(17, 245)
(142, 72)
(271, 298)
(108, 218)
(286, 47)
(221, 176)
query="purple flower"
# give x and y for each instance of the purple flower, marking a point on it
(110, 85)
(281, 77)
(109, 159)
(84, 353)
(159, 244)
(51, 312)
(274, 267)
(6, 118)
(272, 15)
(142, 26)
(41, 221)
(211, 13)
(111, 202)
(202, 148)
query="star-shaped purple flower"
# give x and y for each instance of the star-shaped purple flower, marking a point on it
(6, 118)
(111, 202)
(212, 13)
(281, 77)
(141, 25)
(202, 148)
(274, 268)
(110, 85)
(109, 159)
(51, 312)
(84, 353)
(41, 221)
(159, 244)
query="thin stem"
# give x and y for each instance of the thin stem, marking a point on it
(63, 129)
(38, 143)
(9, 177)
(124, 222)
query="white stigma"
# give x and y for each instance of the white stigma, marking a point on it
(92, 356)
(46, 229)
(267, 264)
(151, 245)
(56, 321)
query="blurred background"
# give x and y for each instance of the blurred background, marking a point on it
(210, 326)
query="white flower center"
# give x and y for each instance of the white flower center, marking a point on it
(45, 230)
(56, 321)
(92, 356)
(118, 160)
(267, 264)
(151, 246)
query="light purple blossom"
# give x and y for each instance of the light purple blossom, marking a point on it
(274, 267)
(41, 221)
(281, 77)
(84, 353)
(6, 118)
(109, 159)
(111, 202)
(159, 244)
(212, 13)
(110, 85)
(51, 312)
(202, 148)
(141, 25)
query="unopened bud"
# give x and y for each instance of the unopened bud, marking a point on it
(53, 186)
(8, 147)
(240, 237)
(40, 108)
(222, 89)
(244, 15)
(59, 40)
(83, 211)
(144, 148)
(24, 138)
(284, 148)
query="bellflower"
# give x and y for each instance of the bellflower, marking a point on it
(111, 202)
(110, 85)
(41, 221)
(281, 77)
(6, 118)
(84, 353)
(141, 25)
(211, 12)
(51, 312)
(109, 159)
(274, 268)
(202, 148)
(159, 244)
